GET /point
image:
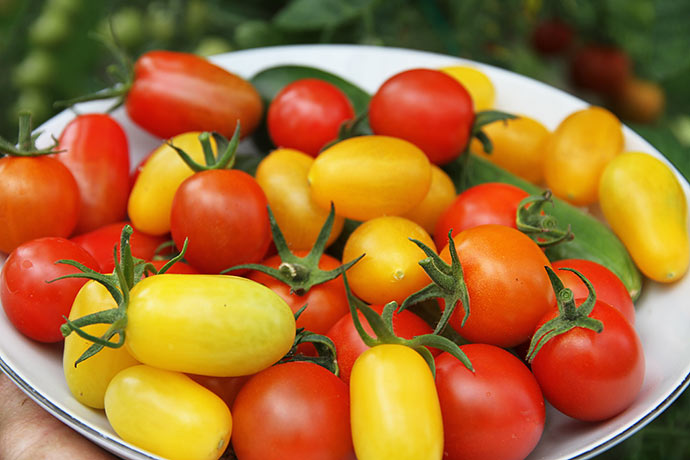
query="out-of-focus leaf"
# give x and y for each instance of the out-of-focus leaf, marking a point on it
(664, 140)
(311, 15)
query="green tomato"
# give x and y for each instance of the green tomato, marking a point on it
(37, 69)
(49, 29)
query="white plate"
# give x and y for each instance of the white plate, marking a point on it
(663, 316)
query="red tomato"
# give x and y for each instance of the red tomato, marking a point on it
(495, 413)
(226, 388)
(508, 288)
(36, 308)
(426, 107)
(173, 93)
(600, 68)
(608, 287)
(552, 36)
(178, 267)
(224, 215)
(100, 243)
(591, 376)
(96, 153)
(290, 411)
(326, 303)
(306, 114)
(38, 197)
(490, 203)
(349, 344)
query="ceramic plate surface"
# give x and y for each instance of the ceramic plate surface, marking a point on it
(663, 313)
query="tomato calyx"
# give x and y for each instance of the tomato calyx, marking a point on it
(227, 150)
(300, 273)
(382, 325)
(128, 271)
(569, 315)
(358, 126)
(26, 141)
(541, 227)
(447, 282)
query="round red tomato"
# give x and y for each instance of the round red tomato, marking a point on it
(608, 287)
(295, 410)
(223, 213)
(427, 108)
(96, 153)
(326, 302)
(588, 375)
(600, 68)
(38, 197)
(306, 115)
(37, 308)
(178, 267)
(101, 242)
(349, 345)
(490, 203)
(494, 413)
(508, 288)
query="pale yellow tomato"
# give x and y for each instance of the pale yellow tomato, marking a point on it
(476, 82)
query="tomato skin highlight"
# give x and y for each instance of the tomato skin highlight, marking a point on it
(35, 307)
(174, 93)
(394, 409)
(216, 325)
(197, 423)
(495, 413)
(291, 411)
(426, 107)
(590, 376)
(47, 188)
(97, 154)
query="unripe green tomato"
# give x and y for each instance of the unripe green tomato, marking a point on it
(38, 68)
(255, 33)
(49, 29)
(195, 18)
(127, 25)
(68, 7)
(208, 46)
(34, 100)
(161, 22)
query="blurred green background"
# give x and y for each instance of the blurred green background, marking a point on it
(632, 56)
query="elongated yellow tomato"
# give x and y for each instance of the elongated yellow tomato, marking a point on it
(216, 325)
(477, 83)
(283, 177)
(390, 269)
(168, 414)
(578, 151)
(89, 379)
(394, 409)
(151, 198)
(440, 195)
(645, 206)
(518, 146)
(370, 176)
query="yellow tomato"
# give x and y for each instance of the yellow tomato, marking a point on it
(440, 195)
(390, 269)
(89, 379)
(168, 414)
(394, 408)
(645, 205)
(151, 198)
(518, 146)
(370, 176)
(283, 177)
(476, 82)
(216, 325)
(578, 151)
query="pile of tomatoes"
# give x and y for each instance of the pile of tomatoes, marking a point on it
(279, 311)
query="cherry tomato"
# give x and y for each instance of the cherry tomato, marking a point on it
(101, 242)
(552, 36)
(440, 195)
(489, 203)
(168, 414)
(390, 269)
(349, 344)
(282, 175)
(306, 114)
(608, 287)
(370, 176)
(295, 410)
(494, 413)
(508, 288)
(226, 388)
(36, 308)
(427, 107)
(159, 99)
(38, 197)
(600, 68)
(224, 216)
(476, 82)
(591, 376)
(326, 303)
(97, 154)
